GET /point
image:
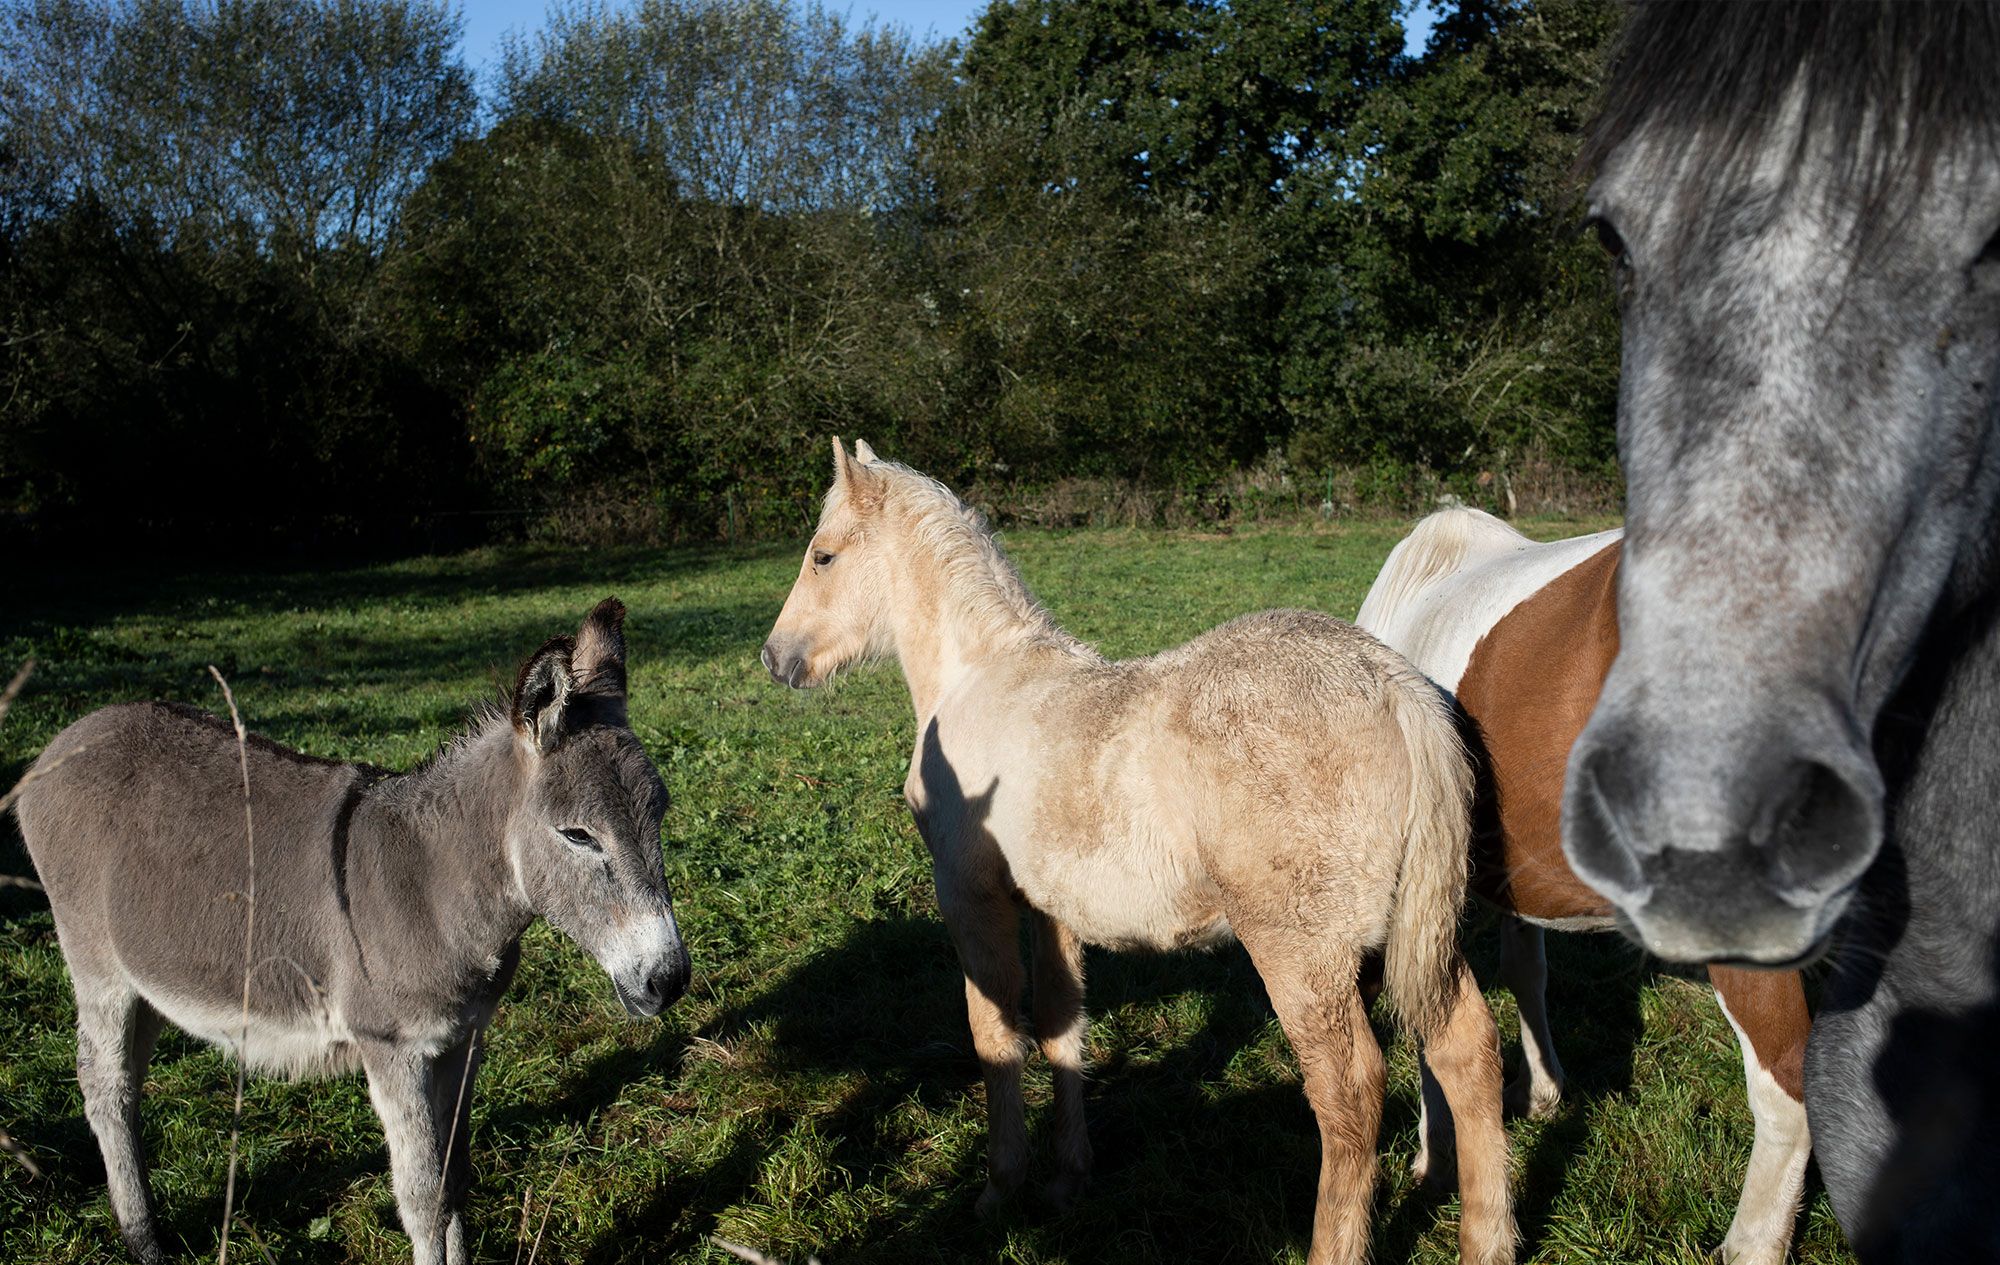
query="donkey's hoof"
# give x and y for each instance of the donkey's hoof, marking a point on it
(1062, 1193)
(1525, 1098)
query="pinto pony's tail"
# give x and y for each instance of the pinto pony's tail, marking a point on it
(1423, 962)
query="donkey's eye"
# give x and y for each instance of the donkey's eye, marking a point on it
(578, 837)
(821, 558)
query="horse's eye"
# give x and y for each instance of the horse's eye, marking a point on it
(1990, 254)
(821, 558)
(1608, 237)
(578, 837)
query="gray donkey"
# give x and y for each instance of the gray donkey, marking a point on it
(389, 907)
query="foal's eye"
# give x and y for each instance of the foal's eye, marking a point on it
(578, 837)
(821, 558)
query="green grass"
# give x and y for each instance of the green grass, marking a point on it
(816, 1090)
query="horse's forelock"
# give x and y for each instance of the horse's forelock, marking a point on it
(1886, 88)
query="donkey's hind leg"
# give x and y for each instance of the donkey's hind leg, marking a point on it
(115, 1032)
(1059, 1027)
(1463, 1052)
(987, 933)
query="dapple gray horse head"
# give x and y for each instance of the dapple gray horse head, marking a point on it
(1802, 203)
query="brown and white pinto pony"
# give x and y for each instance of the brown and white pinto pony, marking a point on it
(1522, 633)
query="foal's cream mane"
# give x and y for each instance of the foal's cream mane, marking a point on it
(981, 586)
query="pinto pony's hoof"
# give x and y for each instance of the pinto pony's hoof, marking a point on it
(1525, 1098)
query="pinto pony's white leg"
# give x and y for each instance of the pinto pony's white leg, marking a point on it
(1524, 970)
(1768, 1012)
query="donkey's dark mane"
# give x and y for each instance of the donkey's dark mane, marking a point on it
(1917, 75)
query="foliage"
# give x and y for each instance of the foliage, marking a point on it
(261, 245)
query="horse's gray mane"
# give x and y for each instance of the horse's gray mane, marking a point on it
(1919, 77)
(962, 540)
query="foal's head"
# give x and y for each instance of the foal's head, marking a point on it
(839, 607)
(1802, 202)
(584, 838)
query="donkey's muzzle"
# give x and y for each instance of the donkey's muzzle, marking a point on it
(660, 989)
(786, 664)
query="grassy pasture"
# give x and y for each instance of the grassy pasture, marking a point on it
(816, 1090)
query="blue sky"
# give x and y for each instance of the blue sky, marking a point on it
(487, 20)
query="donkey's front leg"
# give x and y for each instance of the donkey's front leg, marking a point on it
(401, 1083)
(451, 1079)
(1059, 1027)
(986, 931)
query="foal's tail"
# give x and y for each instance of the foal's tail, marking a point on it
(1422, 965)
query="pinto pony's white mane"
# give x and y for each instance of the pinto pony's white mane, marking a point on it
(1438, 546)
(982, 587)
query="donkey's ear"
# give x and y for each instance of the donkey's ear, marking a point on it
(863, 453)
(861, 486)
(599, 658)
(542, 692)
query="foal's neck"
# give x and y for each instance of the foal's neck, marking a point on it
(959, 604)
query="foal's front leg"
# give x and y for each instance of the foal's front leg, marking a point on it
(402, 1084)
(986, 930)
(1059, 1027)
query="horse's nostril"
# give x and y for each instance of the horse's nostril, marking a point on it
(769, 660)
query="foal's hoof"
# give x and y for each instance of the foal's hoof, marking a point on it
(1526, 1098)
(992, 1201)
(1062, 1193)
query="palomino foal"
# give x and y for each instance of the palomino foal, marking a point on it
(1523, 633)
(389, 907)
(1284, 778)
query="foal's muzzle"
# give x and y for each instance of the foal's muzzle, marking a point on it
(786, 664)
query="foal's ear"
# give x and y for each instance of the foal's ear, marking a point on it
(599, 658)
(542, 692)
(862, 452)
(861, 486)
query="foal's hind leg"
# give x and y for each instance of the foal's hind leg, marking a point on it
(1320, 1008)
(1464, 1053)
(1059, 1026)
(986, 931)
(115, 1032)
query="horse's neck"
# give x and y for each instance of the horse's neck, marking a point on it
(962, 607)
(434, 842)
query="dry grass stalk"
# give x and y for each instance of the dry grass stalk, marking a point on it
(8, 1144)
(753, 1256)
(249, 938)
